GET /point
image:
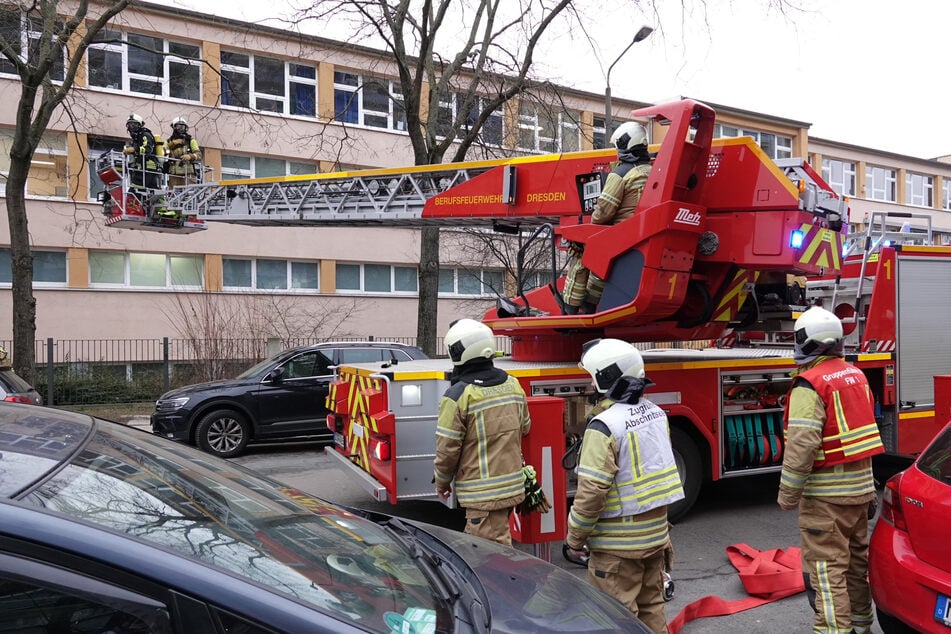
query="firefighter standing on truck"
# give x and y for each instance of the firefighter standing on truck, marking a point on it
(831, 436)
(626, 478)
(482, 418)
(617, 202)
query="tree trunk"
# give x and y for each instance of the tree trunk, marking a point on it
(21, 264)
(428, 290)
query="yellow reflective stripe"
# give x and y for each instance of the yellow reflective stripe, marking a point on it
(840, 419)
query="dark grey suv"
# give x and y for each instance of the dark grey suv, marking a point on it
(281, 397)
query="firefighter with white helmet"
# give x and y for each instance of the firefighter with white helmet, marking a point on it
(482, 418)
(831, 436)
(626, 478)
(143, 153)
(184, 152)
(617, 202)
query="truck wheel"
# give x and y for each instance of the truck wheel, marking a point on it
(223, 433)
(687, 457)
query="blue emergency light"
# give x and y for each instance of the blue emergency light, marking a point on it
(796, 238)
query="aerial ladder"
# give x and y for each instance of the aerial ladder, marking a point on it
(716, 218)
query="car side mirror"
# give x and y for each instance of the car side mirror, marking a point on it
(276, 375)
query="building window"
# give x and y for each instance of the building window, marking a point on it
(599, 138)
(449, 109)
(47, 175)
(261, 274)
(471, 282)
(268, 84)
(97, 147)
(242, 167)
(146, 270)
(775, 146)
(24, 33)
(368, 101)
(840, 175)
(880, 184)
(547, 132)
(919, 190)
(143, 64)
(376, 278)
(946, 197)
(49, 267)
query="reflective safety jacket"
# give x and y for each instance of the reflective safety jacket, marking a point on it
(831, 435)
(482, 418)
(626, 478)
(621, 193)
(850, 432)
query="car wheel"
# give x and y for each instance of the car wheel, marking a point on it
(891, 625)
(690, 467)
(223, 433)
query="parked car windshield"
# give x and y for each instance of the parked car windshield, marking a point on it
(936, 460)
(229, 518)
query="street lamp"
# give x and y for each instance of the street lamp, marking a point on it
(641, 34)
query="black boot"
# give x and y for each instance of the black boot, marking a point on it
(571, 310)
(588, 308)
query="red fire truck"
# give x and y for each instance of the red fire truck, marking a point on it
(719, 231)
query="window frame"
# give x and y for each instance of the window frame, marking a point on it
(356, 112)
(169, 60)
(890, 177)
(535, 124)
(779, 150)
(288, 272)
(847, 174)
(6, 264)
(291, 167)
(29, 35)
(919, 190)
(128, 272)
(362, 274)
(257, 98)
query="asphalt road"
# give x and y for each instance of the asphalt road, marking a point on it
(730, 512)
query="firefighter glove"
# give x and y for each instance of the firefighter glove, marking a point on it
(174, 143)
(188, 157)
(535, 499)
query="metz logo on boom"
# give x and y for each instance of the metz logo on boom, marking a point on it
(686, 217)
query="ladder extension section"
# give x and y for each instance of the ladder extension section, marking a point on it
(479, 193)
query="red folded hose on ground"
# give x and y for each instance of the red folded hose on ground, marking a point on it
(767, 576)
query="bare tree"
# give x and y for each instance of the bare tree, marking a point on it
(488, 67)
(216, 326)
(44, 44)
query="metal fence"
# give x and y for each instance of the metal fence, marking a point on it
(105, 371)
(102, 371)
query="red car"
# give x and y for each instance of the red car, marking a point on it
(910, 553)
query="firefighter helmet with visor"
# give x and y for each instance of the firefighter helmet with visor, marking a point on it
(179, 121)
(134, 122)
(816, 329)
(469, 339)
(629, 135)
(607, 360)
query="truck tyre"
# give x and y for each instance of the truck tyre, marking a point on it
(690, 467)
(223, 433)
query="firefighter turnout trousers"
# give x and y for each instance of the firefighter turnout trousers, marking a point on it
(835, 562)
(637, 583)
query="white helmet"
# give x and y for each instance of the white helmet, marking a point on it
(179, 121)
(469, 339)
(817, 328)
(134, 118)
(629, 135)
(607, 360)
